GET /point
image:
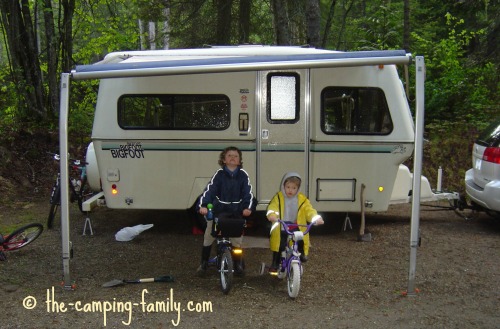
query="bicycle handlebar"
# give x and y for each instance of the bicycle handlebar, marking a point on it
(286, 224)
(75, 162)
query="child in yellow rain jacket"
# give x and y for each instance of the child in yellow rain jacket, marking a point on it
(290, 205)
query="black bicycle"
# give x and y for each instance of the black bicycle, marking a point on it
(19, 238)
(228, 257)
(78, 187)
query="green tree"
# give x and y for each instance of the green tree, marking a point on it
(456, 89)
(24, 66)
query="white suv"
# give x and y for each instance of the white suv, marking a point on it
(482, 181)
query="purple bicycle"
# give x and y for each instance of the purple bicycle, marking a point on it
(290, 264)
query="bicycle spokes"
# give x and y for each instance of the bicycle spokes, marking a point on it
(22, 236)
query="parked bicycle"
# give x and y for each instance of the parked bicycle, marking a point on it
(228, 257)
(78, 187)
(290, 264)
(19, 238)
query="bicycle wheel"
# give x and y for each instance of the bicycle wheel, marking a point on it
(55, 201)
(294, 280)
(226, 271)
(22, 236)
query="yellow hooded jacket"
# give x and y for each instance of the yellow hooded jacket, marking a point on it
(305, 215)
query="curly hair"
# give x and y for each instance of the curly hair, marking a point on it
(227, 149)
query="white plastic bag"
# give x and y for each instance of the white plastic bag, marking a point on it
(129, 233)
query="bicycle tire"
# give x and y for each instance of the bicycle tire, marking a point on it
(293, 281)
(226, 271)
(55, 200)
(22, 236)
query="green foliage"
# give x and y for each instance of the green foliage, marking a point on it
(82, 107)
(456, 88)
(449, 146)
(453, 36)
(383, 29)
(104, 28)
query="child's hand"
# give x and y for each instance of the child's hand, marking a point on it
(319, 221)
(203, 211)
(247, 212)
(272, 218)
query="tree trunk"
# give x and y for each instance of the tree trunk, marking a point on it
(17, 21)
(67, 35)
(152, 35)
(244, 24)
(347, 9)
(142, 40)
(281, 22)
(223, 33)
(328, 24)
(166, 26)
(313, 22)
(406, 26)
(52, 58)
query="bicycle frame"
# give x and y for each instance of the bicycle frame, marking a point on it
(224, 244)
(77, 187)
(224, 260)
(291, 253)
(290, 264)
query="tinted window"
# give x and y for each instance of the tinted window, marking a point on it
(352, 110)
(491, 135)
(174, 112)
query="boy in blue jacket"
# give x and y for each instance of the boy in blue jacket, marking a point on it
(230, 192)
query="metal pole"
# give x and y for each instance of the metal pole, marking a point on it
(63, 150)
(417, 172)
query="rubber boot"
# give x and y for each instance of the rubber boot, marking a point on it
(205, 255)
(275, 263)
(303, 257)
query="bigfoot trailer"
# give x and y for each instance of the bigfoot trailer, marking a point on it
(340, 119)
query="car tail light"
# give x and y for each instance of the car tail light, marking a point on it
(492, 154)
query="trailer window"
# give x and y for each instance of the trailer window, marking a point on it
(351, 110)
(283, 97)
(174, 112)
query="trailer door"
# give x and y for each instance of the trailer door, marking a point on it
(283, 140)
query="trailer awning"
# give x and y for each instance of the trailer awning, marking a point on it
(151, 67)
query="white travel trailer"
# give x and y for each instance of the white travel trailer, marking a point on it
(162, 117)
(157, 137)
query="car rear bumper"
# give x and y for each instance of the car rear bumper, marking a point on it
(488, 198)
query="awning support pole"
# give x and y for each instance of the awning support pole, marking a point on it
(417, 172)
(63, 151)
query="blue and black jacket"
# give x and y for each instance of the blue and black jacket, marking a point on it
(228, 192)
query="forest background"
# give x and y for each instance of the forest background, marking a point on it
(40, 39)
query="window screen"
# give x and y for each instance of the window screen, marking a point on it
(283, 97)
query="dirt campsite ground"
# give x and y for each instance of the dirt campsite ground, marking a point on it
(345, 284)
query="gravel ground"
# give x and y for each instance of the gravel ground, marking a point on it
(345, 284)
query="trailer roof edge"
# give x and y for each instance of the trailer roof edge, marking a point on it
(240, 63)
